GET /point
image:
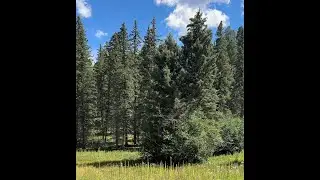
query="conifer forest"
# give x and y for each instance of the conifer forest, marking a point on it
(171, 103)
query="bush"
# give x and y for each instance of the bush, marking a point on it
(232, 133)
(193, 140)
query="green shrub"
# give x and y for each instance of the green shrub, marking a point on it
(193, 140)
(232, 133)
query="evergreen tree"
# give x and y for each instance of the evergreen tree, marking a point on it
(225, 74)
(232, 54)
(101, 86)
(198, 67)
(85, 90)
(108, 72)
(238, 90)
(146, 67)
(116, 85)
(158, 127)
(231, 44)
(135, 41)
(127, 90)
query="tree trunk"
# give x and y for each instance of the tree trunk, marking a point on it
(134, 125)
(103, 125)
(134, 136)
(83, 123)
(123, 137)
(117, 135)
(126, 137)
(138, 134)
(83, 134)
(77, 118)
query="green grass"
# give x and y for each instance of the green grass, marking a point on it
(107, 165)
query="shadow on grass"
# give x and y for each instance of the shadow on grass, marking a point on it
(125, 162)
(232, 163)
(140, 162)
(130, 163)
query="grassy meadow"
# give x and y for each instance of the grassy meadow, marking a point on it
(123, 165)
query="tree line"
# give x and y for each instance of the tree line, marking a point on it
(178, 103)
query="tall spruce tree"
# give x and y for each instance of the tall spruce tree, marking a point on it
(225, 74)
(127, 82)
(231, 44)
(116, 84)
(232, 53)
(147, 105)
(146, 67)
(85, 100)
(101, 86)
(161, 101)
(198, 67)
(135, 41)
(238, 90)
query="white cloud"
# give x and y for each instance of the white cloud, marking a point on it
(203, 2)
(192, 3)
(185, 9)
(83, 8)
(100, 33)
(166, 2)
(214, 17)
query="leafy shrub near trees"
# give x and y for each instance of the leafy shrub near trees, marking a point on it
(197, 138)
(232, 134)
(202, 135)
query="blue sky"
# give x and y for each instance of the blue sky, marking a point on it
(102, 18)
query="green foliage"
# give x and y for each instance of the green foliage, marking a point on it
(198, 67)
(147, 105)
(238, 89)
(135, 41)
(182, 85)
(200, 136)
(158, 126)
(232, 133)
(85, 88)
(225, 76)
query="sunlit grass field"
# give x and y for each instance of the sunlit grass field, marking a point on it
(124, 165)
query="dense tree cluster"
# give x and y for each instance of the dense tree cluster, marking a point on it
(179, 104)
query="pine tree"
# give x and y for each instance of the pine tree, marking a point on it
(160, 123)
(101, 86)
(238, 90)
(116, 84)
(232, 54)
(135, 41)
(107, 71)
(146, 67)
(231, 44)
(127, 82)
(85, 90)
(198, 67)
(225, 74)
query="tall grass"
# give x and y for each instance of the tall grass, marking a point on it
(112, 165)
